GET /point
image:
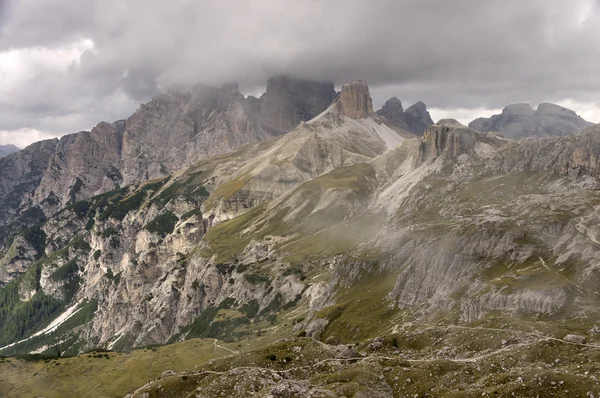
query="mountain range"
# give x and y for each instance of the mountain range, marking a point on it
(331, 249)
(521, 121)
(7, 150)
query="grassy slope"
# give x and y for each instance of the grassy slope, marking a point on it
(85, 376)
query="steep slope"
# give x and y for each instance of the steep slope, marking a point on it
(7, 150)
(393, 111)
(520, 120)
(21, 173)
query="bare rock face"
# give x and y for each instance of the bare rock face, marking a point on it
(289, 101)
(392, 110)
(20, 174)
(520, 120)
(82, 165)
(576, 155)
(450, 139)
(418, 118)
(355, 100)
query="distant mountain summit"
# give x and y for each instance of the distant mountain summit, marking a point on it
(7, 150)
(414, 120)
(521, 120)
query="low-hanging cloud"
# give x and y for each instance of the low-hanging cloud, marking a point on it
(66, 65)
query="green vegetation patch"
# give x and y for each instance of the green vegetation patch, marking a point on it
(216, 322)
(162, 224)
(188, 189)
(120, 209)
(81, 208)
(362, 310)
(19, 318)
(226, 191)
(228, 238)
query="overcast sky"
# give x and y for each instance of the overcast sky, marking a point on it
(67, 64)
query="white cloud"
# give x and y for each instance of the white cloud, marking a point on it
(464, 116)
(64, 67)
(590, 111)
(23, 137)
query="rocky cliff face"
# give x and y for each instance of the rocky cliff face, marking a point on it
(393, 111)
(7, 150)
(355, 101)
(520, 120)
(289, 101)
(20, 174)
(417, 118)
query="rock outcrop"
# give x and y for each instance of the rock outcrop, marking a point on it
(289, 101)
(417, 118)
(392, 110)
(521, 121)
(414, 120)
(355, 100)
(20, 174)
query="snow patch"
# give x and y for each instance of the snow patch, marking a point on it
(59, 321)
(69, 312)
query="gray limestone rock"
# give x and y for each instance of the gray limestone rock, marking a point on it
(418, 118)
(414, 120)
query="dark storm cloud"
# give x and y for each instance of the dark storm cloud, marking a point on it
(451, 54)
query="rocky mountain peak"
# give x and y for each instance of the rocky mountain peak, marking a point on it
(393, 103)
(449, 138)
(450, 123)
(521, 120)
(521, 109)
(289, 100)
(553, 109)
(355, 100)
(393, 111)
(418, 118)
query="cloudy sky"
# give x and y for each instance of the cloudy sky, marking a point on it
(67, 64)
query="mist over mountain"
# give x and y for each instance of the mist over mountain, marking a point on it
(299, 199)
